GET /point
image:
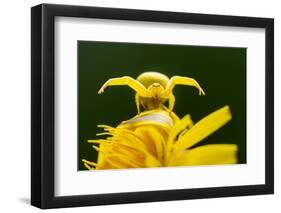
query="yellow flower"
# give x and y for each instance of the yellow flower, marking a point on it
(158, 138)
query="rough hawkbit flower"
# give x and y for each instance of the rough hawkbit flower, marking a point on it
(159, 138)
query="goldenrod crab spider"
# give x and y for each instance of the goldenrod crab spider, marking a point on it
(153, 89)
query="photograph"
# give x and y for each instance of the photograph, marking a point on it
(144, 105)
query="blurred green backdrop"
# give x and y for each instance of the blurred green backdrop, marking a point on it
(220, 71)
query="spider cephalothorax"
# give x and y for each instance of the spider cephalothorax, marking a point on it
(153, 89)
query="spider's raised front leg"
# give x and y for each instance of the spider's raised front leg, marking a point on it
(126, 80)
(179, 80)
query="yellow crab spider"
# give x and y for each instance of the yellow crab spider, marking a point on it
(153, 89)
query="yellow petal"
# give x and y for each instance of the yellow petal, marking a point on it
(153, 139)
(203, 129)
(144, 134)
(211, 154)
(89, 165)
(125, 160)
(180, 125)
(150, 162)
(103, 148)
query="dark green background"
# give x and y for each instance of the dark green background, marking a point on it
(220, 71)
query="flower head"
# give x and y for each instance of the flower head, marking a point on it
(159, 138)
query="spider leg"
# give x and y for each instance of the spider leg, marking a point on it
(126, 80)
(172, 101)
(137, 102)
(179, 80)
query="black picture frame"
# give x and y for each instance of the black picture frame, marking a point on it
(43, 113)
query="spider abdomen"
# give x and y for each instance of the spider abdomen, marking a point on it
(148, 78)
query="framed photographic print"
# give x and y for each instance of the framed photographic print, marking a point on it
(139, 106)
